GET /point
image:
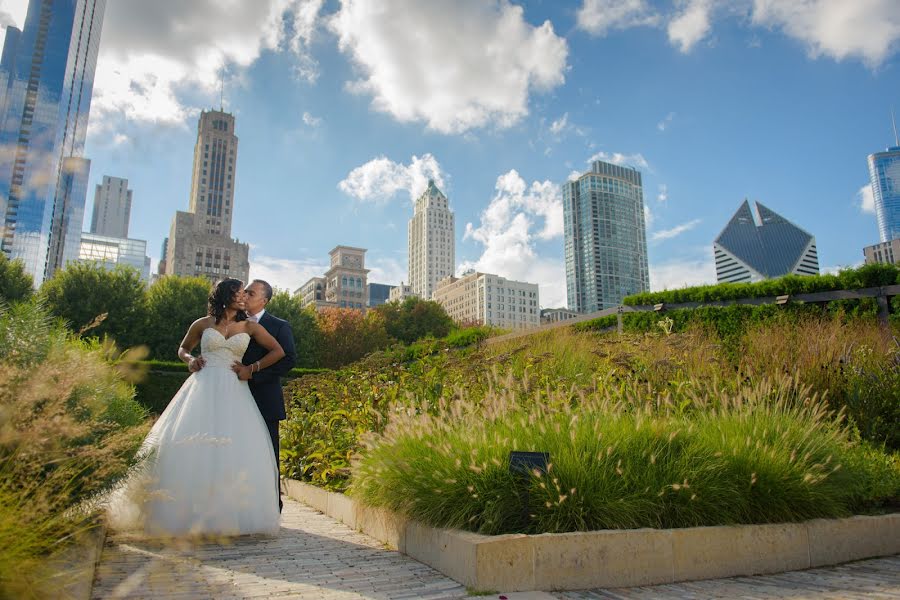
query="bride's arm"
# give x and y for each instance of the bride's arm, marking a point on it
(264, 339)
(190, 341)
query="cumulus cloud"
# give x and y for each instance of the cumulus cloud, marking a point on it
(598, 17)
(667, 234)
(691, 24)
(311, 120)
(865, 199)
(455, 65)
(153, 54)
(518, 216)
(559, 125)
(681, 273)
(866, 29)
(625, 160)
(381, 178)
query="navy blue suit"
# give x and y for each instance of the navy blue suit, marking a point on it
(266, 384)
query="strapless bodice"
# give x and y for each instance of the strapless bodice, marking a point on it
(220, 351)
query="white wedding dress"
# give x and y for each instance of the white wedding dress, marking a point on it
(207, 465)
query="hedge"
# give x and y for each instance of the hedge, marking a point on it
(867, 276)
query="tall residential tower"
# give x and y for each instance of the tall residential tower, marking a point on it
(884, 173)
(46, 82)
(432, 242)
(200, 241)
(112, 208)
(605, 237)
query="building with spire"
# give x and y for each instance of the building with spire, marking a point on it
(432, 242)
(884, 174)
(605, 237)
(761, 244)
(200, 242)
(46, 84)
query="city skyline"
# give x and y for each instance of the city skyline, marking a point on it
(343, 118)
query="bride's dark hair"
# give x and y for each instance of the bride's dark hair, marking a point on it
(221, 296)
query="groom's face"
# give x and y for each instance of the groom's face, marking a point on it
(255, 299)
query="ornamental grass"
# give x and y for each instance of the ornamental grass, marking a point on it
(624, 457)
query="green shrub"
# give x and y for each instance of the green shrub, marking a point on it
(768, 453)
(875, 275)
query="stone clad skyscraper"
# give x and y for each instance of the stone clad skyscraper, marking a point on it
(112, 207)
(432, 242)
(46, 83)
(605, 237)
(200, 241)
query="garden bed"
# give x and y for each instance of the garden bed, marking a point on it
(614, 558)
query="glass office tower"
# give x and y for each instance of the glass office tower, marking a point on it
(46, 81)
(605, 237)
(884, 172)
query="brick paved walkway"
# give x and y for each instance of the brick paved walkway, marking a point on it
(315, 557)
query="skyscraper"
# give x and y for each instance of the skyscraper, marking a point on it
(46, 83)
(884, 173)
(112, 208)
(432, 242)
(200, 241)
(761, 245)
(605, 237)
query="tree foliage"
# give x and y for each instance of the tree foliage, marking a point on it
(99, 302)
(307, 336)
(15, 284)
(348, 335)
(414, 319)
(173, 303)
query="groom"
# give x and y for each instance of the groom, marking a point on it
(265, 385)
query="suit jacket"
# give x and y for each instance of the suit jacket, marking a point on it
(266, 384)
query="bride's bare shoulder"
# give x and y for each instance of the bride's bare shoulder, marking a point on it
(202, 323)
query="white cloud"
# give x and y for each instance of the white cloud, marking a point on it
(455, 65)
(866, 29)
(625, 160)
(387, 270)
(155, 54)
(681, 273)
(667, 234)
(865, 199)
(507, 232)
(380, 178)
(311, 120)
(286, 274)
(663, 195)
(691, 25)
(574, 175)
(648, 217)
(664, 124)
(559, 125)
(599, 16)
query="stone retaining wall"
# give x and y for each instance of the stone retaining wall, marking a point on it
(614, 558)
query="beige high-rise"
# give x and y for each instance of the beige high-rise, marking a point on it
(487, 299)
(112, 208)
(432, 245)
(200, 240)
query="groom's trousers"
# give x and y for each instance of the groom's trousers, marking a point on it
(273, 434)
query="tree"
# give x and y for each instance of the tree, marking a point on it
(99, 302)
(348, 335)
(173, 303)
(307, 335)
(414, 319)
(15, 284)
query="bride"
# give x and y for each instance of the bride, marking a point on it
(207, 467)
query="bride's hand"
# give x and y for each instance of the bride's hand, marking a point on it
(196, 364)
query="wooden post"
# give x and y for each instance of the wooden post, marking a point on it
(884, 310)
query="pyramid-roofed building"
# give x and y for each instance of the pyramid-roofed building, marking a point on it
(761, 244)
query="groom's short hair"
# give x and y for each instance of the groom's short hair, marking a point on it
(266, 287)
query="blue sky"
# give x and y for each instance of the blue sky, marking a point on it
(345, 108)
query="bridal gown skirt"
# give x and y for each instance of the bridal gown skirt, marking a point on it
(207, 467)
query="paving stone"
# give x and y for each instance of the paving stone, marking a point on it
(315, 557)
